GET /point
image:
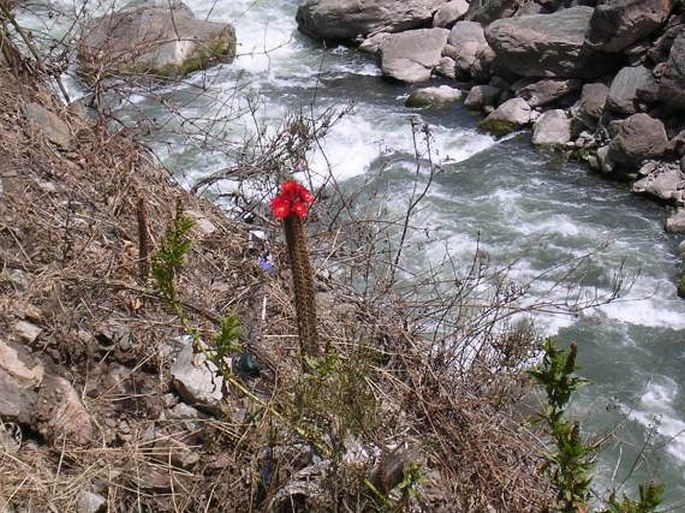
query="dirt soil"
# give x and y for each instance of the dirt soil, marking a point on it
(106, 428)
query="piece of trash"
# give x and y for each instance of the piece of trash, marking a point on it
(248, 365)
(266, 265)
(256, 242)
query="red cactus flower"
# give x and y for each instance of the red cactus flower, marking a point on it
(292, 199)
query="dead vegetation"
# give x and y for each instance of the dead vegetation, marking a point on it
(385, 397)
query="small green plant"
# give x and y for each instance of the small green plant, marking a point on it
(651, 497)
(570, 466)
(171, 254)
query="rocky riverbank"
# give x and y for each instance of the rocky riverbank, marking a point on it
(110, 400)
(601, 81)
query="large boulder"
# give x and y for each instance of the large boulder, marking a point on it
(623, 93)
(451, 12)
(617, 25)
(672, 81)
(464, 44)
(347, 20)
(547, 91)
(638, 138)
(548, 45)
(553, 128)
(511, 115)
(155, 36)
(411, 56)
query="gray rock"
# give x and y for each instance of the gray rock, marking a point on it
(487, 11)
(678, 143)
(623, 91)
(347, 20)
(20, 376)
(434, 97)
(617, 25)
(27, 331)
(60, 415)
(604, 162)
(547, 91)
(680, 249)
(511, 115)
(483, 68)
(481, 95)
(411, 56)
(466, 41)
(553, 128)
(203, 226)
(676, 222)
(638, 138)
(90, 502)
(56, 130)
(548, 45)
(590, 106)
(447, 68)
(663, 183)
(672, 81)
(155, 36)
(451, 12)
(115, 334)
(195, 378)
(373, 44)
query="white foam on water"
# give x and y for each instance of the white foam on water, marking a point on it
(656, 408)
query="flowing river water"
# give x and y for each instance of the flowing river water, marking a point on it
(518, 202)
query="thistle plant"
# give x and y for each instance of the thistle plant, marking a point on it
(292, 205)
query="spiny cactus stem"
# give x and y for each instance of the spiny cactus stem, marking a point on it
(303, 284)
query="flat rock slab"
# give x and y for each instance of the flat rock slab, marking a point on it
(411, 56)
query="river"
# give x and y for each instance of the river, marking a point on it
(521, 204)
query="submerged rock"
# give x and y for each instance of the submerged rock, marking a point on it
(434, 97)
(156, 37)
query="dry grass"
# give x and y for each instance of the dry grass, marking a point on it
(68, 223)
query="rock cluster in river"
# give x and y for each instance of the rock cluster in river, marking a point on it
(603, 80)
